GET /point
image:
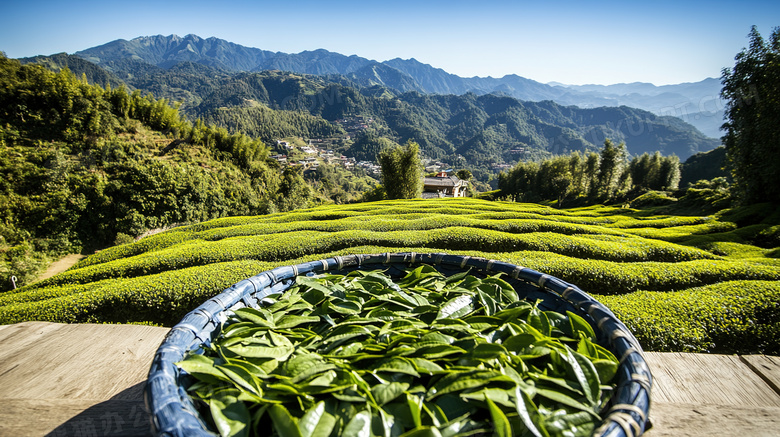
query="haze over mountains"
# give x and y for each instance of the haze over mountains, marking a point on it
(696, 103)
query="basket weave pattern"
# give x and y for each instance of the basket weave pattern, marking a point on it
(174, 414)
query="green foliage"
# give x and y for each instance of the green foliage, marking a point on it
(21, 261)
(269, 125)
(427, 352)
(293, 192)
(708, 195)
(653, 198)
(123, 239)
(655, 172)
(604, 250)
(368, 146)
(752, 140)
(704, 166)
(611, 167)
(81, 164)
(467, 130)
(335, 183)
(605, 177)
(729, 317)
(402, 171)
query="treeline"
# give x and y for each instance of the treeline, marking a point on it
(261, 122)
(595, 177)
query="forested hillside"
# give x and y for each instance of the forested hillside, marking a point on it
(484, 133)
(83, 166)
(478, 132)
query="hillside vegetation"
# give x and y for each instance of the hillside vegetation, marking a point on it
(82, 166)
(479, 132)
(681, 283)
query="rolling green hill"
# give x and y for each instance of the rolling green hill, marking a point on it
(679, 282)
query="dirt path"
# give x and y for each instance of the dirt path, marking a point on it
(61, 265)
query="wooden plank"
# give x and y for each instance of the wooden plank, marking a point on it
(41, 360)
(700, 420)
(707, 380)
(766, 367)
(73, 417)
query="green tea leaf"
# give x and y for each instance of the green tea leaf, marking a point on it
(384, 393)
(579, 325)
(497, 395)
(454, 381)
(358, 426)
(257, 316)
(456, 307)
(317, 422)
(528, 412)
(230, 416)
(415, 404)
(488, 351)
(500, 422)
(397, 365)
(564, 400)
(242, 378)
(203, 368)
(291, 321)
(279, 353)
(423, 431)
(284, 424)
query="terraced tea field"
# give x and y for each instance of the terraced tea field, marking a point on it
(680, 283)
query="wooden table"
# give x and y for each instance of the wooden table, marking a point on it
(87, 380)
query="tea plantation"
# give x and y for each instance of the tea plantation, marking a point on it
(680, 283)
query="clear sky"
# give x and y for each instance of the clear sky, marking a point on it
(573, 42)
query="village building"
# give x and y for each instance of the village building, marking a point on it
(442, 185)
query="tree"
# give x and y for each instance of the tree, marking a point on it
(293, 192)
(402, 171)
(464, 174)
(592, 173)
(562, 185)
(752, 140)
(611, 167)
(669, 173)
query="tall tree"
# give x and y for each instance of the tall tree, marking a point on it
(402, 171)
(611, 167)
(592, 173)
(752, 92)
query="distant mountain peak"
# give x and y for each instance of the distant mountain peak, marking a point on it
(411, 74)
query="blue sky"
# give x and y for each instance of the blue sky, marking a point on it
(574, 42)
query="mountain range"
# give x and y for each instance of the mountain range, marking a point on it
(467, 127)
(696, 103)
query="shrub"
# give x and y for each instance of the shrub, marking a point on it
(607, 251)
(729, 317)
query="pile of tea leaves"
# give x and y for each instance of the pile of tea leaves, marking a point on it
(426, 355)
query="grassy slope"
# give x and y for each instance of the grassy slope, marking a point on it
(721, 296)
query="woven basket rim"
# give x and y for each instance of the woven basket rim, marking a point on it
(173, 412)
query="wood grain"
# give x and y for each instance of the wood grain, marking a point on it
(41, 360)
(707, 379)
(767, 367)
(75, 380)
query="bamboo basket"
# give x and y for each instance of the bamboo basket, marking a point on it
(174, 414)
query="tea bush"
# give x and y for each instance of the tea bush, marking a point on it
(609, 251)
(728, 317)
